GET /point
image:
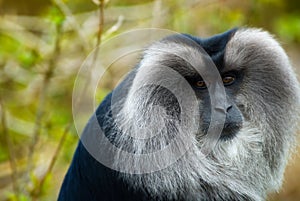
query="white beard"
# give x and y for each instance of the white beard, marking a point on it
(235, 169)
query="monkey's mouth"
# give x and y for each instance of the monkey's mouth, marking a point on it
(230, 130)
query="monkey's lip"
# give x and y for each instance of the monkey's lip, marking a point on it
(229, 131)
(228, 134)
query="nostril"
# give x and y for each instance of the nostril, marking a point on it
(228, 108)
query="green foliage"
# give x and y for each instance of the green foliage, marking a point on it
(36, 188)
(13, 197)
(55, 15)
(28, 57)
(3, 154)
(9, 46)
(288, 27)
(41, 55)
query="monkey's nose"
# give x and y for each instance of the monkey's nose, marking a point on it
(228, 108)
(233, 123)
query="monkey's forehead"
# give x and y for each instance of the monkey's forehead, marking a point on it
(184, 52)
(231, 49)
(213, 46)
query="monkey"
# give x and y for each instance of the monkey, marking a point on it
(165, 101)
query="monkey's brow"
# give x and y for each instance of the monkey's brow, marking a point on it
(190, 74)
(188, 71)
(185, 71)
(182, 67)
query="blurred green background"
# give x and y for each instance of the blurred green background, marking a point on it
(42, 46)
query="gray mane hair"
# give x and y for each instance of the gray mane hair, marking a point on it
(249, 166)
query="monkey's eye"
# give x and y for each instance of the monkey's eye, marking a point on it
(200, 84)
(228, 80)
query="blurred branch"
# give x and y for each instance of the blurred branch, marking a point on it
(204, 3)
(156, 14)
(11, 153)
(42, 99)
(66, 11)
(100, 5)
(37, 191)
(13, 26)
(101, 22)
(114, 28)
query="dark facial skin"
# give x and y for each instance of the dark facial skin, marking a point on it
(232, 79)
(234, 117)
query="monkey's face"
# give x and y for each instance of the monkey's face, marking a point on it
(232, 81)
(261, 103)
